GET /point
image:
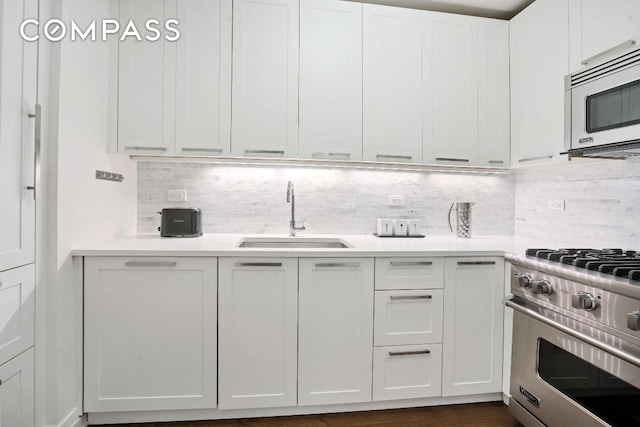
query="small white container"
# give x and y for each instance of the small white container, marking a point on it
(400, 227)
(414, 227)
(384, 227)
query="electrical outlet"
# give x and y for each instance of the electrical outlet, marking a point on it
(555, 205)
(176, 195)
(396, 200)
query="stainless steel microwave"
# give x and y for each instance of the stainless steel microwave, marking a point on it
(602, 109)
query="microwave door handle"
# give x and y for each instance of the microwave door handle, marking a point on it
(608, 52)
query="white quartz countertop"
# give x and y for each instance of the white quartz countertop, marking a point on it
(362, 245)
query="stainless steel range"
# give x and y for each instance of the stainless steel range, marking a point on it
(576, 337)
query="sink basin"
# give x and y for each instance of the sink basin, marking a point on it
(294, 243)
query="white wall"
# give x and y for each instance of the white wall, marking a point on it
(252, 199)
(81, 209)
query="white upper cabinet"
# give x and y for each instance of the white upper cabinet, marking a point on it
(174, 97)
(392, 84)
(602, 29)
(539, 52)
(330, 80)
(203, 78)
(18, 79)
(450, 125)
(265, 78)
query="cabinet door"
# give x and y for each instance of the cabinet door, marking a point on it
(392, 84)
(336, 331)
(473, 317)
(494, 144)
(203, 78)
(17, 311)
(146, 82)
(17, 391)
(602, 29)
(408, 317)
(18, 79)
(407, 372)
(450, 56)
(149, 333)
(537, 81)
(265, 78)
(258, 332)
(330, 80)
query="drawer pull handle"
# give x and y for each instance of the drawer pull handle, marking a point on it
(258, 264)
(147, 148)
(496, 162)
(409, 297)
(608, 52)
(205, 150)
(449, 159)
(338, 264)
(150, 264)
(393, 156)
(281, 152)
(476, 262)
(410, 263)
(408, 353)
(530, 159)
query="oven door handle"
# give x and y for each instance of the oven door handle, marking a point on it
(582, 337)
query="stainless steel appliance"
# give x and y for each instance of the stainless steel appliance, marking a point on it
(576, 337)
(181, 222)
(602, 109)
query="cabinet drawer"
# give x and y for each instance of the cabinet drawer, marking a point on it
(17, 303)
(408, 317)
(406, 372)
(409, 273)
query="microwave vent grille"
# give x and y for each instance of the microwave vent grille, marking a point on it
(623, 61)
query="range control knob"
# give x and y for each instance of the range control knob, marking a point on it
(542, 287)
(584, 301)
(524, 280)
(633, 320)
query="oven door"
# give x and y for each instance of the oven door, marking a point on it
(558, 379)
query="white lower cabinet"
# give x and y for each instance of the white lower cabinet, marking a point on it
(150, 333)
(473, 319)
(336, 330)
(405, 372)
(17, 311)
(258, 317)
(17, 391)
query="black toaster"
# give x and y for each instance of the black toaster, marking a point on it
(180, 222)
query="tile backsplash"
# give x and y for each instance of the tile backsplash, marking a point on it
(601, 200)
(252, 198)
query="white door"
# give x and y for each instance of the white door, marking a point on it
(146, 82)
(494, 143)
(602, 29)
(330, 80)
(17, 391)
(392, 84)
(258, 332)
(149, 333)
(473, 318)
(265, 78)
(203, 78)
(17, 311)
(336, 331)
(539, 58)
(18, 79)
(450, 89)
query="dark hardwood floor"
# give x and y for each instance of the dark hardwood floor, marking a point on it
(477, 415)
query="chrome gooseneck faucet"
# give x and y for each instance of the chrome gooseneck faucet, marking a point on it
(291, 198)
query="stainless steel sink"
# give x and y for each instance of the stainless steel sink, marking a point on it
(294, 243)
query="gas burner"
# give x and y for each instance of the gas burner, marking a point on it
(614, 261)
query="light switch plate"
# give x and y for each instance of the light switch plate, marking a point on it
(177, 195)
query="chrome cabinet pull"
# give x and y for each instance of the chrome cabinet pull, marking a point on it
(449, 159)
(409, 353)
(37, 139)
(134, 148)
(393, 156)
(206, 150)
(338, 264)
(496, 162)
(264, 152)
(258, 264)
(409, 297)
(609, 51)
(150, 264)
(530, 159)
(476, 262)
(410, 263)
